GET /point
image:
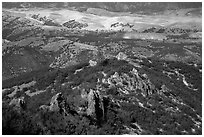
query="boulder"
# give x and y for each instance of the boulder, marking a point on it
(121, 56)
(92, 63)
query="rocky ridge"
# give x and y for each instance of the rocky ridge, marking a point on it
(118, 91)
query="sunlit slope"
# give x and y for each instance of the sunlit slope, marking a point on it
(105, 21)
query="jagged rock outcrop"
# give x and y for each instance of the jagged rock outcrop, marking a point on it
(57, 103)
(95, 104)
(127, 84)
(19, 103)
(121, 56)
(143, 83)
(92, 63)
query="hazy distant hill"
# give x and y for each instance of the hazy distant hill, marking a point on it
(111, 6)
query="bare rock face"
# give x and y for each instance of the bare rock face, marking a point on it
(91, 102)
(57, 103)
(19, 103)
(95, 102)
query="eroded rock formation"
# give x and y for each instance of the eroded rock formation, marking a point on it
(57, 103)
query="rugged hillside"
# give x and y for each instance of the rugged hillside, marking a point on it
(112, 97)
(35, 41)
(86, 69)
